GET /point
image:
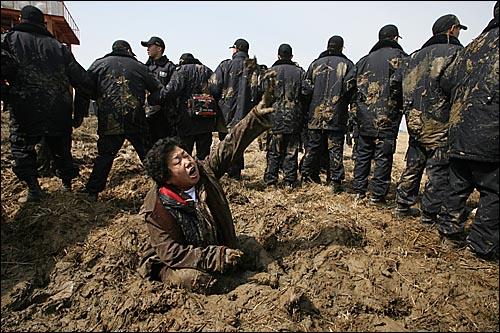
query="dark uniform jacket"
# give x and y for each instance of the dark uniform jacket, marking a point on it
(189, 79)
(120, 84)
(289, 111)
(370, 80)
(328, 108)
(163, 68)
(472, 83)
(416, 86)
(39, 91)
(171, 225)
(234, 85)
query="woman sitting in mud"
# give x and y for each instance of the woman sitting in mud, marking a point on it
(188, 217)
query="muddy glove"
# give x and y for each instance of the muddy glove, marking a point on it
(232, 258)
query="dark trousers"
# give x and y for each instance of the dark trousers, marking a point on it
(107, 148)
(203, 143)
(335, 151)
(380, 150)
(435, 162)
(283, 150)
(464, 177)
(159, 127)
(25, 156)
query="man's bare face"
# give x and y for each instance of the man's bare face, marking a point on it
(183, 168)
(154, 51)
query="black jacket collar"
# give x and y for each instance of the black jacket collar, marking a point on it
(161, 61)
(328, 53)
(386, 43)
(240, 54)
(442, 39)
(31, 28)
(284, 62)
(120, 53)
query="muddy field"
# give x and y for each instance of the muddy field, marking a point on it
(324, 263)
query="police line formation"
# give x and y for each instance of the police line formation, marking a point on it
(448, 93)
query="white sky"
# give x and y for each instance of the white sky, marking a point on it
(207, 28)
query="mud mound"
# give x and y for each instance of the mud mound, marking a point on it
(319, 262)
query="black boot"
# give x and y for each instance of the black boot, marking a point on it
(35, 192)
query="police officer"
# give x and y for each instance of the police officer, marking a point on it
(416, 86)
(120, 82)
(161, 118)
(376, 121)
(472, 81)
(41, 101)
(287, 119)
(234, 85)
(190, 81)
(328, 111)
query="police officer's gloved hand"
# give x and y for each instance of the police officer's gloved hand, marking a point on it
(231, 258)
(77, 121)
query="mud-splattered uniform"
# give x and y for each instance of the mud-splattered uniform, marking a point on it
(191, 78)
(234, 85)
(376, 120)
(120, 84)
(40, 98)
(472, 82)
(416, 86)
(327, 114)
(287, 122)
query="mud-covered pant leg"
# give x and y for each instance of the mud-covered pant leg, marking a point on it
(409, 182)
(291, 157)
(203, 144)
(311, 159)
(365, 151)
(24, 154)
(187, 278)
(436, 186)
(60, 146)
(453, 214)
(336, 155)
(384, 153)
(274, 157)
(107, 148)
(483, 236)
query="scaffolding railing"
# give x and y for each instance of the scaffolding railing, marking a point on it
(56, 8)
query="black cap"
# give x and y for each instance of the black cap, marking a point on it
(495, 10)
(241, 45)
(154, 41)
(335, 43)
(285, 51)
(121, 45)
(33, 14)
(445, 22)
(388, 31)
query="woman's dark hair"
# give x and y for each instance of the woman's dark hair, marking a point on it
(156, 160)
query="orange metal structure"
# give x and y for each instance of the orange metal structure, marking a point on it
(57, 17)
